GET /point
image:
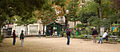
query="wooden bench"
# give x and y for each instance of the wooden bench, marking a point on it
(113, 39)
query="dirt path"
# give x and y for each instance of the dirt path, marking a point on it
(34, 44)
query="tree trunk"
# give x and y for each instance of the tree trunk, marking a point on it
(1, 33)
(66, 22)
(43, 29)
(26, 30)
(119, 34)
(74, 23)
(0, 30)
(100, 9)
(100, 12)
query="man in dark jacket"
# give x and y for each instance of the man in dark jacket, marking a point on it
(14, 37)
(94, 34)
(68, 36)
(22, 38)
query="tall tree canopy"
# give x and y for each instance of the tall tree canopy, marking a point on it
(73, 7)
(89, 11)
(63, 4)
(22, 8)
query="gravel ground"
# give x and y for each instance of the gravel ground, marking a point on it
(35, 44)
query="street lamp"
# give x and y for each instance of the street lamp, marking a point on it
(67, 11)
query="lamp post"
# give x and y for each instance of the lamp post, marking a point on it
(67, 12)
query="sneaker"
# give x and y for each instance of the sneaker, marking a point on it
(98, 42)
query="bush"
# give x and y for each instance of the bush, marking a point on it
(64, 34)
(118, 40)
(82, 36)
(75, 36)
(1, 38)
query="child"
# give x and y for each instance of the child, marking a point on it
(22, 38)
(103, 37)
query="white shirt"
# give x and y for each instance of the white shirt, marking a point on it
(104, 35)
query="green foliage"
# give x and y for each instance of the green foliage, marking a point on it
(81, 25)
(48, 17)
(73, 8)
(12, 7)
(118, 40)
(22, 8)
(106, 8)
(94, 20)
(1, 38)
(87, 10)
(47, 6)
(59, 2)
(106, 22)
(22, 21)
(82, 36)
(114, 18)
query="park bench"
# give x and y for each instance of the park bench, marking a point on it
(112, 39)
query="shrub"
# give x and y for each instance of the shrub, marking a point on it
(118, 40)
(1, 38)
(82, 36)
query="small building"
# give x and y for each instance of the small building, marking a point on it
(53, 28)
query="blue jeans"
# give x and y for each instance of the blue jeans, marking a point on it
(100, 40)
(68, 40)
(14, 40)
(39, 35)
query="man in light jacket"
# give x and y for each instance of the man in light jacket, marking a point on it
(103, 37)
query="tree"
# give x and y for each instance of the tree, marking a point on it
(47, 14)
(63, 4)
(100, 8)
(46, 17)
(90, 10)
(22, 8)
(87, 10)
(21, 21)
(73, 7)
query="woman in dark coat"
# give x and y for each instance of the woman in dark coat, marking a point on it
(22, 38)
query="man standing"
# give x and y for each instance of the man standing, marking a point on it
(68, 36)
(14, 37)
(94, 34)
